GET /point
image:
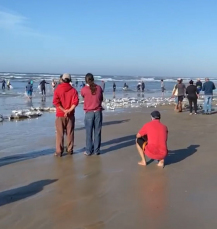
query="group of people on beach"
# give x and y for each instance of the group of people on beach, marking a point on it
(42, 86)
(151, 139)
(65, 100)
(192, 92)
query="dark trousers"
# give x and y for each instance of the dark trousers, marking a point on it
(43, 91)
(192, 100)
(93, 126)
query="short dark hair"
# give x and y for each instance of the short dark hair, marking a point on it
(66, 80)
(191, 82)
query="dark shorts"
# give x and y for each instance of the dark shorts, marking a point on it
(180, 98)
(114, 89)
(142, 142)
(162, 89)
(29, 93)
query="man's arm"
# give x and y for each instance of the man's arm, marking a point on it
(56, 100)
(214, 86)
(142, 132)
(75, 101)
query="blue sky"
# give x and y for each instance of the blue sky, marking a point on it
(117, 37)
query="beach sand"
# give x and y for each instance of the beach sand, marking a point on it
(111, 190)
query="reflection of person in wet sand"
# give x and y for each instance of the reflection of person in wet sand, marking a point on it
(152, 140)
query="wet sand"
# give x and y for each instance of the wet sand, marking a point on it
(111, 190)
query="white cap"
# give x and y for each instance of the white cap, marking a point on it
(66, 76)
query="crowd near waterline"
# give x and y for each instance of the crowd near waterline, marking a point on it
(150, 140)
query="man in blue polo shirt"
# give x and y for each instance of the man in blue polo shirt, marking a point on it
(208, 88)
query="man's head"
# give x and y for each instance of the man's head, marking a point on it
(66, 78)
(206, 79)
(155, 115)
(179, 80)
(198, 79)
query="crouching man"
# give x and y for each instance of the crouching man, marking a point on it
(151, 140)
(65, 100)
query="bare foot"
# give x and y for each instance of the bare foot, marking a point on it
(160, 164)
(142, 163)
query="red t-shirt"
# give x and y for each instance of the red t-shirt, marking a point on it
(92, 102)
(157, 139)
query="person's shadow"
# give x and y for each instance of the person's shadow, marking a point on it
(120, 143)
(20, 193)
(175, 156)
(107, 123)
(25, 156)
(117, 143)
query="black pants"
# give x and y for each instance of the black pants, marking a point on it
(3, 86)
(43, 91)
(194, 101)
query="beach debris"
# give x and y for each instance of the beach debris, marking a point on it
(24, 114)
(43, 109)
(132, 102)
(1, 118)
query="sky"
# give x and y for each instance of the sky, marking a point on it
(109, 37)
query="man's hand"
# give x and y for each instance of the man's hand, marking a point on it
(66, 112)
(138, 135)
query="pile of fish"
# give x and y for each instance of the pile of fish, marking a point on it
(24, 114)
(33, 112)
(112, 104)
(43, 109)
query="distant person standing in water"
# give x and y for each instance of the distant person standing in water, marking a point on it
(3, 84)
(199, 86)
(208, 88)
(181, 93)
(43, 87)
(143, 86)
(162, 87)
(65, 100)
(29, 90)
(76, 83)
(138, 86)
(103, 86)
(192, 95)
(93, 97)
(82, 84)
(114, 89)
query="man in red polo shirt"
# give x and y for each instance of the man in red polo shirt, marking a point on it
(152, 140)
(65, 100)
